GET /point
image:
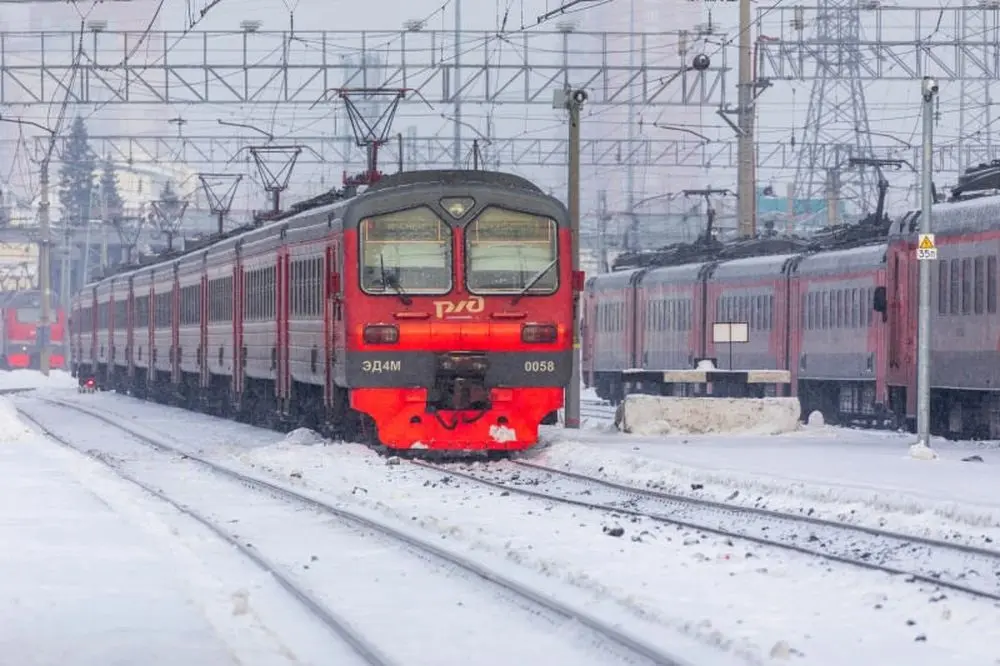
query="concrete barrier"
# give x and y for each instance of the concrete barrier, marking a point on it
(655, 415)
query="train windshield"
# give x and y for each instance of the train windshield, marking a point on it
(511, 252)
(29, 315)
(406, 252)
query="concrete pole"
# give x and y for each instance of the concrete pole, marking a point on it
(64, 290)
(44, 270)
(930, 90)
(574, 102)
(746, 191)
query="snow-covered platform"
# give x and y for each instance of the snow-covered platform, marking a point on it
(83, 583)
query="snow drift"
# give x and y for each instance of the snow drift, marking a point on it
(12, 428)
(655, 415)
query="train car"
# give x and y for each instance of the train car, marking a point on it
(670, 327)
(432, 311)
(754, 292)
(965, 324)
(838, 339)
(20, 342)
(609, 336)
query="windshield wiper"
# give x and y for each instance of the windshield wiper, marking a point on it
(393, 281)
(534, 280)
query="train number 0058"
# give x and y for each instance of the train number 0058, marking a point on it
(539, 366)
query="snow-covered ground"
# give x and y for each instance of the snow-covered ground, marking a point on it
(765, 604)
(94, 573)
(865, 477)
(32, 379)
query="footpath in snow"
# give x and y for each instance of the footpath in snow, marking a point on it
(91, 577)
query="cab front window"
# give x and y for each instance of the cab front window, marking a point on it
(406, 252)
(508, 252)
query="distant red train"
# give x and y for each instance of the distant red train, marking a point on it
(432, 311)
(837, 312)
(20, 341)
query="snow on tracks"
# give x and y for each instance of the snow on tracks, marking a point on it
(599, 643)
(955, 566)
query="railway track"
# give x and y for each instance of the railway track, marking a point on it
(965, 568)
(592, 636)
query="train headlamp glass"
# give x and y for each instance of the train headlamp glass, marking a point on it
(457, 206)
(381, 335)
(538, 333)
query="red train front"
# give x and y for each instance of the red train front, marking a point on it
(21, 339)
(459, 321)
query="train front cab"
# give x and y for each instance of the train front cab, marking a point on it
(22, 347)
(459, 317)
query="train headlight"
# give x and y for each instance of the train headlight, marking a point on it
(381, 335)
(538, 333)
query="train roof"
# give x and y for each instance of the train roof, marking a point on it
(955, 217)
(615, 280)
(838, 261)
(684, 272)
(445, 177)
(772, 265)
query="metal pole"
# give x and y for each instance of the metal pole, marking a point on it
(746, 191)
(633, 232)
(44, 276)
(574, 102)
(67, 267)
(457, 150)
(930, 90)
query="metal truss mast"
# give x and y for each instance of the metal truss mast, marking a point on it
(436, 151)
(837, 115)
(897, 43)
(300, 67)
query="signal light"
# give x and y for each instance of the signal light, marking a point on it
(381, 335)
(538, 333)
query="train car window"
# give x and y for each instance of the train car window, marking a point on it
(142, 312)
(979, 285)
(825, 310)
(991, 285)
(121, 314)
(804, 310)
(855, 309)
(28, 315)
(408, 251)
(966, 286)
(956, 287)
(507, 252)
(942, 270)
(769, 312)
(840, 308)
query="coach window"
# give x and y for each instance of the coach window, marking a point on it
(979, 285)
(991, 285)
(510, 252)
(966, 286)
(942, 271)
(956, 287)
(406, 252)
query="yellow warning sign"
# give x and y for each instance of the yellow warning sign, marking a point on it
(926, 250)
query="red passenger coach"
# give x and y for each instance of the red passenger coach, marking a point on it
(432, 311)
(21, 339)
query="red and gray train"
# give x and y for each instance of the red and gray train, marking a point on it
(432, 311)
(21, 338)
(837, 312)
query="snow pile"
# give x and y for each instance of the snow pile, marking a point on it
(32, 379)
(921, 451)
(304, 437)
(12, 429)
(655, 415)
